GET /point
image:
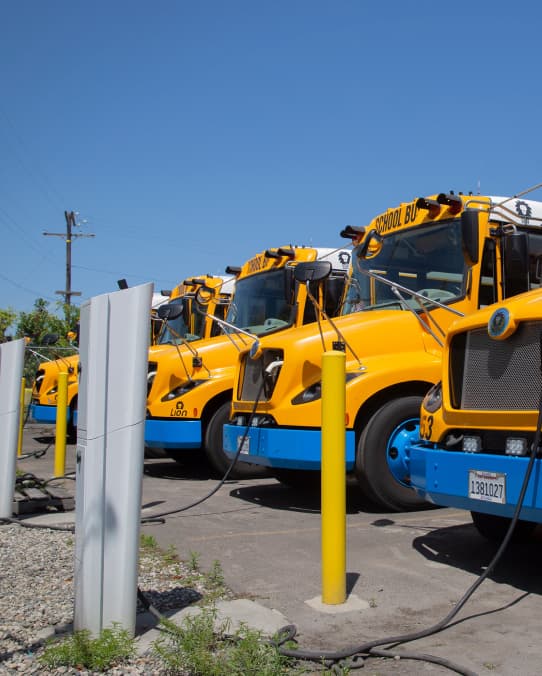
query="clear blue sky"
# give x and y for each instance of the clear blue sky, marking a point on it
(191, 135)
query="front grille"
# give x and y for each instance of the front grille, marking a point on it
(257, 384)
(490, 375)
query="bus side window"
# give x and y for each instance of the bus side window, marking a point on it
(333, 291)
(220, 312)
(487, 292)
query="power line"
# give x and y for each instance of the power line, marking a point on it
(20, 232)
(134, 275)
(68, 237)
(38, 294)
(52, 194)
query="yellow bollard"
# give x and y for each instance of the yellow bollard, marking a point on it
(61, 424)
(333, 478)
(21, 418)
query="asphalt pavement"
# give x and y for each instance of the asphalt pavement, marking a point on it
(404, 572)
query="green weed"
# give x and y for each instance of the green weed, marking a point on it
(170, 556)
(193, 562)
(200, 646)
(82, 651)
(148, 541)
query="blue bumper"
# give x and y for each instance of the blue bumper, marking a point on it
(442, 477)
(47, 414)
(43, 414)
(282, 447)
(172, 433)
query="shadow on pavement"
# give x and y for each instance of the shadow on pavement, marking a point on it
(463, 547)
(192, 469)
(275, 495)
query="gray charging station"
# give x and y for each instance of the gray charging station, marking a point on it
(114, 342)
(11, 373)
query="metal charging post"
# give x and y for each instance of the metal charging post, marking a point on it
(11, 372)
(114, 341)
(333, 466)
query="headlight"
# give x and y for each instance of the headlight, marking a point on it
(314, 391)
(433, 399)
(182, 389)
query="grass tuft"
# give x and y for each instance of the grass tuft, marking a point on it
(80, 650)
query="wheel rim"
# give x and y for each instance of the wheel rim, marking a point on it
(398, 449)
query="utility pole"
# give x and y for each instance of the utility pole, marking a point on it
(69, 236)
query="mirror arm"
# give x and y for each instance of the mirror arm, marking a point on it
(319, 311)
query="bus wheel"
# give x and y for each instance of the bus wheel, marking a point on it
(214, 449)
(383, 452)
(494, 527)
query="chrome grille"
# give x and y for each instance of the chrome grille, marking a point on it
(254, 374)
(500, 374)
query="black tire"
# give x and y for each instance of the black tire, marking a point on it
(214, 449)
(373, 473)
(308, 481)
(494, 527)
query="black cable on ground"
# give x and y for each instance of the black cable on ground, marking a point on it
(35, 454)
(156, 517)
(148, 606)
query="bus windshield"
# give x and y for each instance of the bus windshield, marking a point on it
(427, 259)
(189, 325)
(260, 303)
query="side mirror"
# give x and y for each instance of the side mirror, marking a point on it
(313, 271)
(49, 339)
(204, 295)
(516, 263)
(169, 311)
(469, 236)
(372, 245)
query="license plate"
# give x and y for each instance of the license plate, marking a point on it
(245, 448)
(487, 486)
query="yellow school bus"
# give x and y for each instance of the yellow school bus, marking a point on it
(190, 389)
(479, 449)
(416, 268)
(188, 324)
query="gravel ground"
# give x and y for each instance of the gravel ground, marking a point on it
(36, 596)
